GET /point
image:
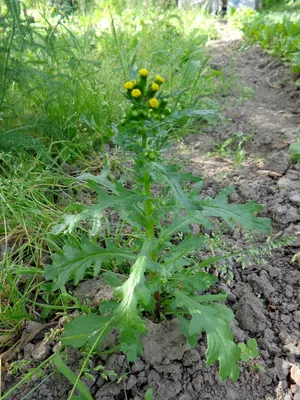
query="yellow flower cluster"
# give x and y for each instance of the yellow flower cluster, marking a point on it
(138, 89)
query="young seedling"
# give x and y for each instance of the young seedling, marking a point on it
(162, 280)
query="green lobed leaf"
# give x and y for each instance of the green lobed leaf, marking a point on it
(241, 213)
(127, 317)
(74, 262)
(189, 243)
(119, 199)
(181, 223)
(170, 175)
(86, 329)
(192, 281)
(214, 320)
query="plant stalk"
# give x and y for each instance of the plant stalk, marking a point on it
(151, 234)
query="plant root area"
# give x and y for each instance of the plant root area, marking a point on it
(262, 103)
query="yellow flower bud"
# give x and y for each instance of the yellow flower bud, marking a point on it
(154, 103)
(144, 72)
(159, 79)
(154, 87)
(128, 85)
(133, 82)
(136, 93)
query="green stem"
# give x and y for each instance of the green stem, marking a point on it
(148, 206)
(151, 234)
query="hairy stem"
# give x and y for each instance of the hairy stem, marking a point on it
(151, 234)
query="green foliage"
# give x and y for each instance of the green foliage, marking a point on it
(59, 74)
(295, 150)
(277, 31)
(213, 320)
(162, 280)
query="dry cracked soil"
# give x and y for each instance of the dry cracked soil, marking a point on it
(264, 104)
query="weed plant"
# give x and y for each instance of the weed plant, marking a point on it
(158, 279)
(59, 83)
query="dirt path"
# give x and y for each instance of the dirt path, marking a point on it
(264, 297)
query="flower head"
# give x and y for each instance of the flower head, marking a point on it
(154, 103)
(133, 82)
(144, 72)
(136, 93)
(154, 87)
(128, 85)
(159, 79)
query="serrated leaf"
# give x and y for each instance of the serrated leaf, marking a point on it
(119, 199)
(74, 262)
(189, 243)
(220, 344)
(192, 281)
(86, 329)
(181, 223)
(170, 175)
(184, 327)
(241, 213)
(72, 221)
(127, 317)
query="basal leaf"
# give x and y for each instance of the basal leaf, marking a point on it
(220, 344)
(127, 317)
(86, 329)
(74, 262)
